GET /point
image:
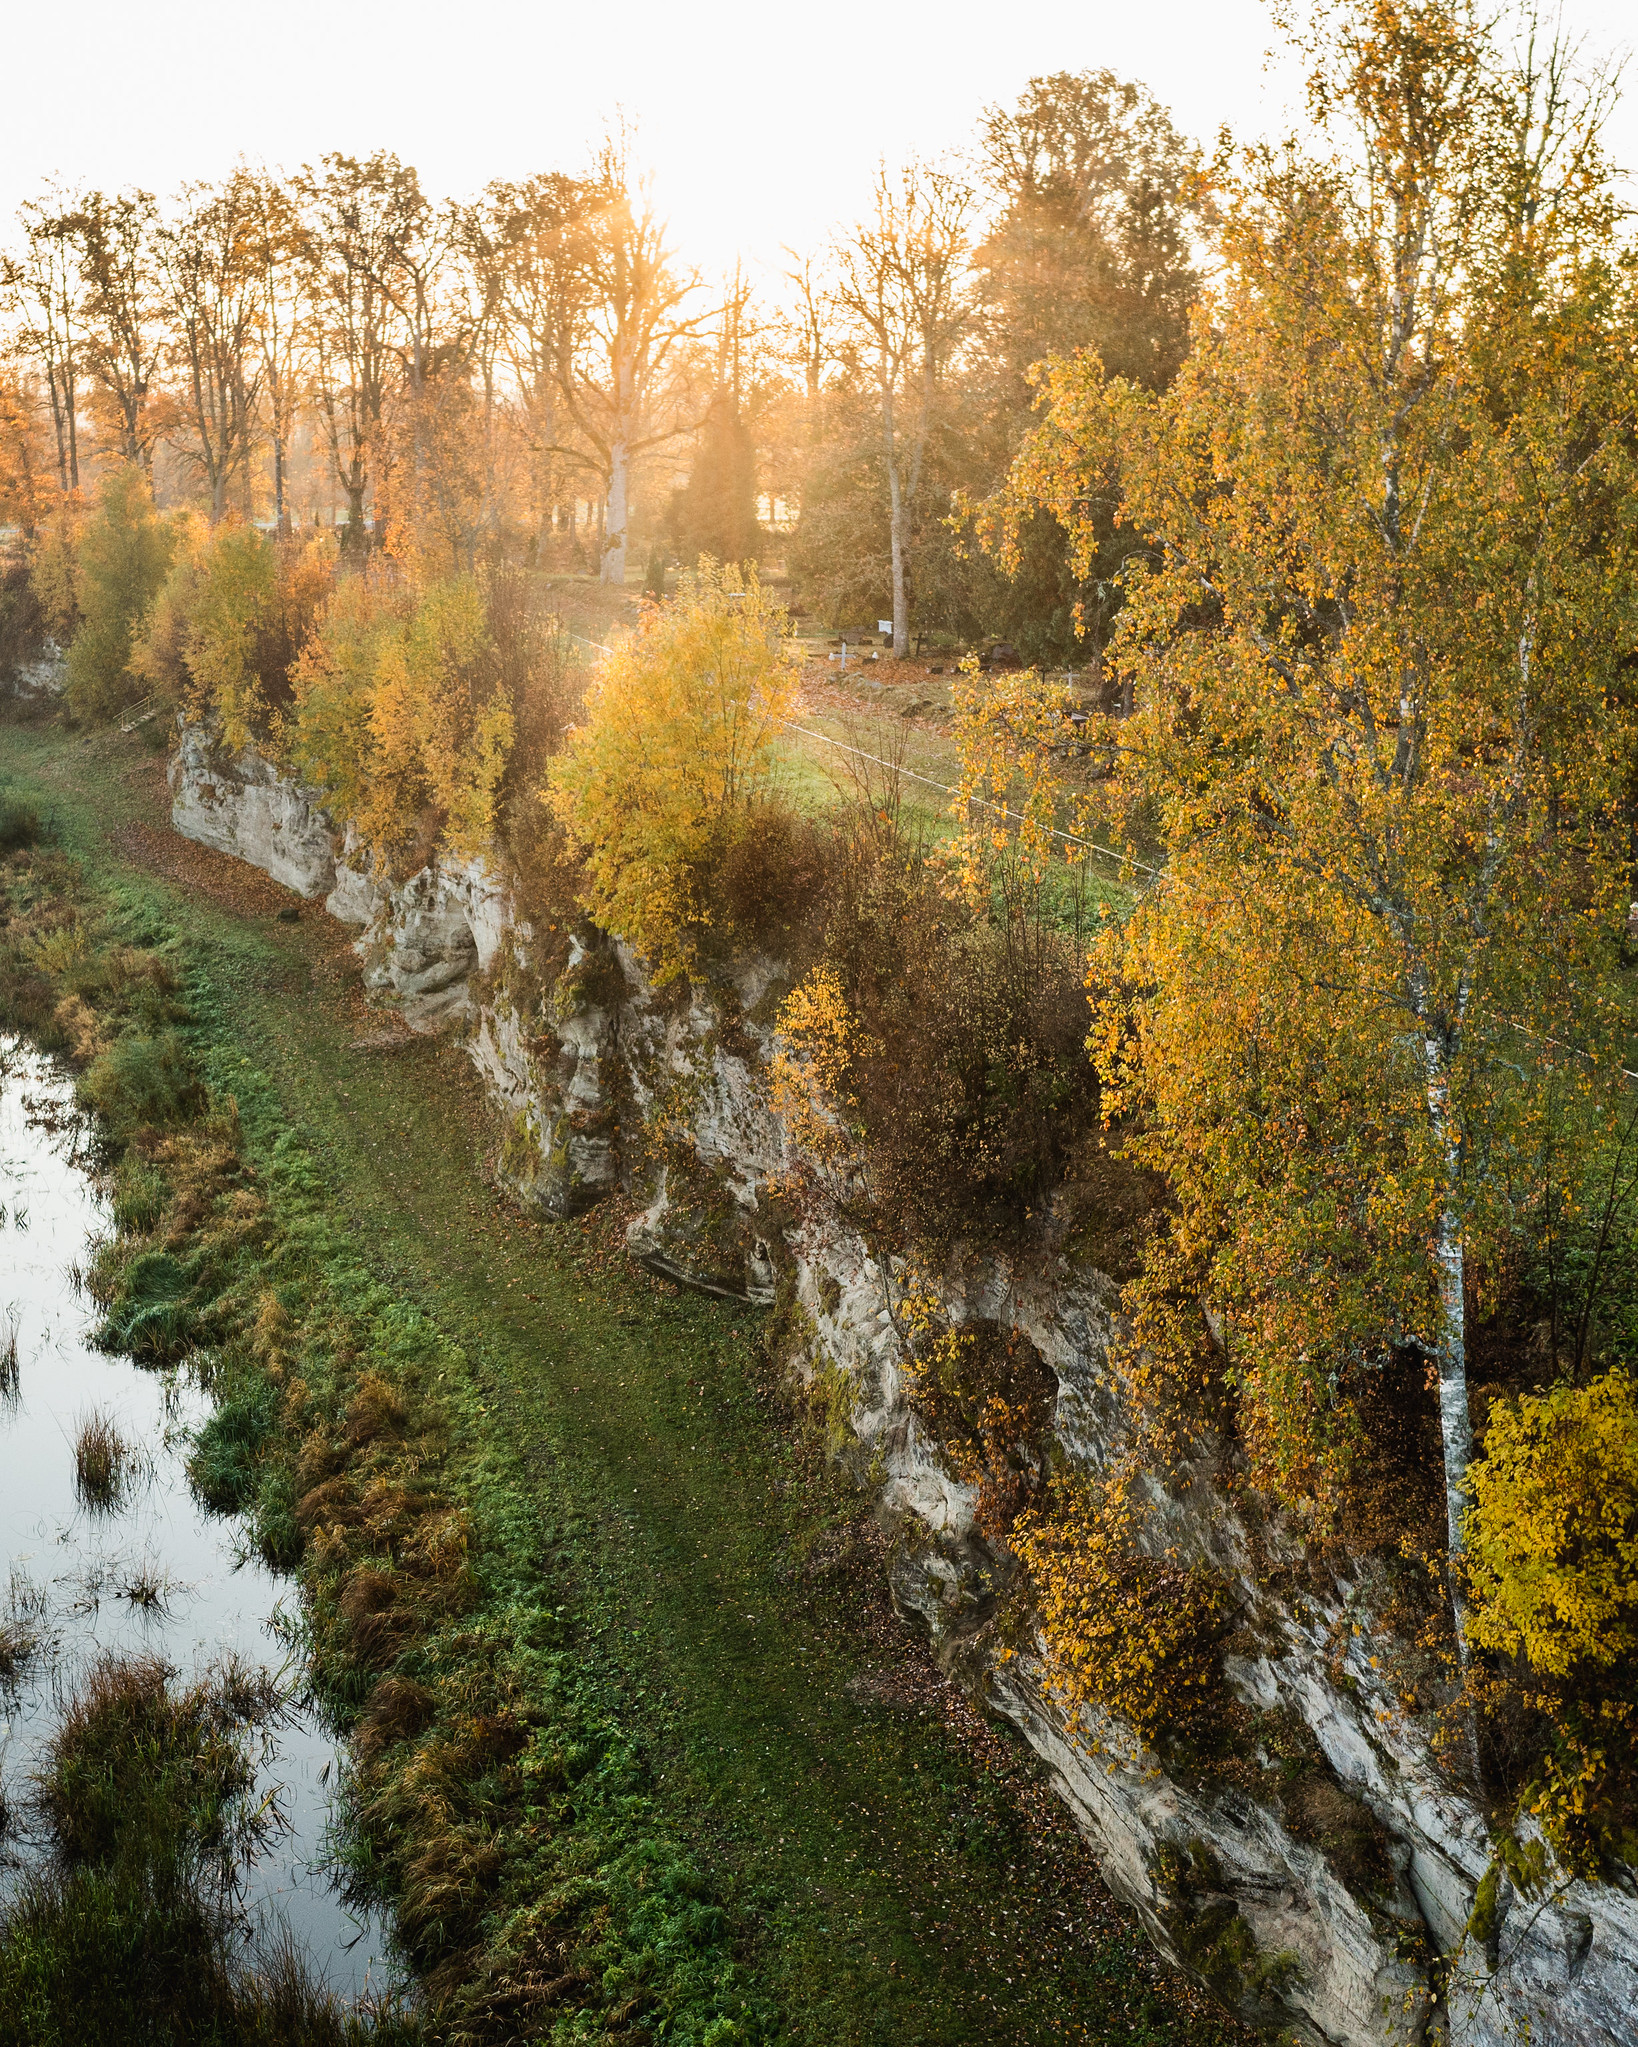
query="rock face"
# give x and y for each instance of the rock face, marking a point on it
(242, 805)
(1325, 1932)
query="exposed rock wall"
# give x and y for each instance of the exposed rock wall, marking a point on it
(608, 1084)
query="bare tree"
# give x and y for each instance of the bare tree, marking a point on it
(902, 288)
(354, 214)
(43, 289)
(207, 263)
(633, 321)
(531, 231)
(276, 249)
(807, 325)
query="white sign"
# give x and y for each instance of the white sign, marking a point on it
(884, 625)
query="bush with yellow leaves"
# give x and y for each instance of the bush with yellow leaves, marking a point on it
(1553, 1529)
(405, 709)
(1553, 1576)
(224, 633)
(1124, 1628)
(122, 554)
(674, 760)
(985, 1394)
(817, 1042)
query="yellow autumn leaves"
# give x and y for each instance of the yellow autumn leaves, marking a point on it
(397, 710)
(385, 695)
(664, 774)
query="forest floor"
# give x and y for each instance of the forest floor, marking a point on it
(899, 1867)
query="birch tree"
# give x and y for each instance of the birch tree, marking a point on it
(902, 290)
(1378, 640)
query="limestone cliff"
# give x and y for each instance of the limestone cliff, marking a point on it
(1329, 1933)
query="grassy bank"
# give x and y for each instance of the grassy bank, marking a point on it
(644, 1753)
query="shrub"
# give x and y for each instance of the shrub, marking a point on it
(775, 878)
(1553, 1529)
(986, 1395)
(19, 824)
(54, 567)
(331, 742)
(660, 780)
(225, 631)
(123, 557)
(142, 1082)
(406, 705)
(23, 622)
(441, 720)
(964, 1065)
(1124, 1629)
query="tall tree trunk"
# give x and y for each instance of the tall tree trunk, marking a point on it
(1455, 1418)
(895, 524)
(617, 505)
(58, 427)
(70, 399)
(613, 569)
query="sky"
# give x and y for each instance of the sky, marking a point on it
(763, 124)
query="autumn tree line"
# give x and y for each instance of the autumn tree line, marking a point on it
(536, 377)
(1329, 450)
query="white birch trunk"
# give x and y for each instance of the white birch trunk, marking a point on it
(1455, 1420)
(617, 508)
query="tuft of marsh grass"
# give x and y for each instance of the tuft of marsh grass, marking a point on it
(17, 1643)
(146, 1587)
(102, 1462)
(22, 1629)
(10, 1374)
(130, 1930)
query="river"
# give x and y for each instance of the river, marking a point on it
(155, 1571)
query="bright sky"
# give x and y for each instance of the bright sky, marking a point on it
(762, 122)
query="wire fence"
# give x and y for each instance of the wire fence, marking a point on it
(928, 782)
(1157, 874)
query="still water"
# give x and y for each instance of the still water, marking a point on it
(154, 1573)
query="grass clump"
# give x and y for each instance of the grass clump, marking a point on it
(142, 1083)
(102, 1462)
(224, 1467)
(19, 823)
(138, 1766)
(10, 1369)
(127, 1931)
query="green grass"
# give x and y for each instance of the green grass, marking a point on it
(619, 1446)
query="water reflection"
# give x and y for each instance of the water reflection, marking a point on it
(138, 1565)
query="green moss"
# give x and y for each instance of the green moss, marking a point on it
(1212, 1935)
(520, 1155)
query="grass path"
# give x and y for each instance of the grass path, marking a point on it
(902, 1872)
